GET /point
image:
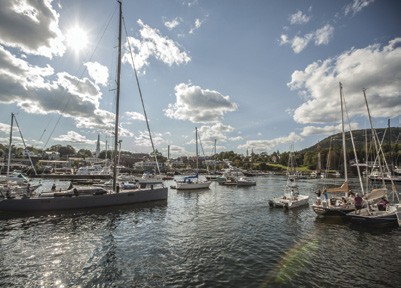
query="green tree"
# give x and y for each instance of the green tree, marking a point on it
(66, 151)
(84, 153)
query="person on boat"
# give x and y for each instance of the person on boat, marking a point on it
(358, 203)
(326, 196)
(318, 197)
(8, 192)
(71, 186)
(28, 190)
(344, 202)
(382, 205)
(54, 187)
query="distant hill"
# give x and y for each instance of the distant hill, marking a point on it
(359, 140)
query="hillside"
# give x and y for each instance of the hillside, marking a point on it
(392, 134)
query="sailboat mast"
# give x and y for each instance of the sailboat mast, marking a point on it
(343, 134)
(117, 100)
(197, 156)
(375, 138)
(366, 159)
(9, 145)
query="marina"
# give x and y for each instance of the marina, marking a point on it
(257, 171)
(223, 236)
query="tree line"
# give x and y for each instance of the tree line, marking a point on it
(328, 150)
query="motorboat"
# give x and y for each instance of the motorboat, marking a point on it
(289, 201)
(245, 181)
(291, 198)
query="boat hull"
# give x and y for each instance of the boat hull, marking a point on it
(246, 183)
(275, 203)
(193, 185)
(375, 217)
(288, 202)
(301, 201)
(331, 211)
(83, 202)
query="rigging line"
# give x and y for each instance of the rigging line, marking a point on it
(200, 143)
(140, 94)
(76, 82)
(353, 147)
(23, 141)
(326, 171)
(43, 133)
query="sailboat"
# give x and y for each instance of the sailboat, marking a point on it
(291, 198)
(378, 213)
(337, 201)
(92, 197)
(193, 182)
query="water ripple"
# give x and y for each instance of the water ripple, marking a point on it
(222, 237)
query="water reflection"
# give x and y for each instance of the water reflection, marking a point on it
(221, 237)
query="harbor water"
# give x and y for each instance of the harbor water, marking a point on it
(219, 237)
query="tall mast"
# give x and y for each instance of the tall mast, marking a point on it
(196, 137)
(366, 159)
(9, 145)
(343, 134)
(376, 141)
(117, 100)
(389, 145)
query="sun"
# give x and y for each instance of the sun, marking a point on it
(77, 39)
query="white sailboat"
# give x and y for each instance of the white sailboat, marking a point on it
(378, 213)
(337, 201)
(291, 198)
(83, 198)
(193, 182)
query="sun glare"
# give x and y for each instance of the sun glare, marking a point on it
(77, 39)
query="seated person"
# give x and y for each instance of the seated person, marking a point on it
(382, 205)
(344, 202)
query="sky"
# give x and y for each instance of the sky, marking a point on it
(258, 75)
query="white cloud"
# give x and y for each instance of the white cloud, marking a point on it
(327, 130)
(357, 6)
(135, 116)
(37, 90)
(4, 128)
(31, 26)
(374, 67)
(74, 137)
(199, 105)
(178, 150)
(284, 39)
(321, 36)
(268, 145)
(211, 133)
(172, 23)
(153, 44)
(142, 139)
(98, 72)
(237, 138)
(198, 23)
(299, 18)
(299, 43)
